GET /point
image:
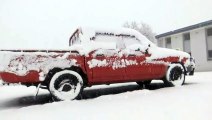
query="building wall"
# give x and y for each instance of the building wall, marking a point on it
(177, 42)
(199, 50)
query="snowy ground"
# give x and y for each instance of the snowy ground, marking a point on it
(127, 101)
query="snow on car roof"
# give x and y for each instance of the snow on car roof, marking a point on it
(88, 34)
(92, 32)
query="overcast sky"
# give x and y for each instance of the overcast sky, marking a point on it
(49, 23)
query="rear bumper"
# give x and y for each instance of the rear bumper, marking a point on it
(30, 77)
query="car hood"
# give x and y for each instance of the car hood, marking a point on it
(158, 53)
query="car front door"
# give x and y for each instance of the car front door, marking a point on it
(141, 66)
(107, 66)
(136, 66)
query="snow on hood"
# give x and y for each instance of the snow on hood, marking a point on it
(157, 53)
(160, 53)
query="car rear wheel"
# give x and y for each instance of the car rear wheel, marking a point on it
(175, 75)
(66, 85)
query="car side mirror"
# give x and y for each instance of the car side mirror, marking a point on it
(138, 49)
(149, 45)
(147, 50)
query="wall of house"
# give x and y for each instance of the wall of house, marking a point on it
(199, 50)
(177, 42)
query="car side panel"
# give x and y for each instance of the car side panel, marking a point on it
(136, 68)
(104, 69)
(32, 67)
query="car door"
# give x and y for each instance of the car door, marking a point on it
(107, 66)
(136, 66)
(158, 66)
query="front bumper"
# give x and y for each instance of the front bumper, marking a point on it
(190, 70)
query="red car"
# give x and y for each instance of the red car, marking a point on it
(95, 57)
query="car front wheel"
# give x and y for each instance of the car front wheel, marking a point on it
(175, 75)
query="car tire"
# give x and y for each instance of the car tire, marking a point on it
(192, 72)
(175, 75)
(66, 85)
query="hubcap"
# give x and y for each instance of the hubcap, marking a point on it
(66, 85)
(177, 74)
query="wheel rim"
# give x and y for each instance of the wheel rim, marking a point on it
(176, 75)
(66, 85)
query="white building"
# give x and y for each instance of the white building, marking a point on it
(195, 39)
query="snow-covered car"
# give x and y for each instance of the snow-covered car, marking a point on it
(95, 56)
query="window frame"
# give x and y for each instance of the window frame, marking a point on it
(166, 39)
(160, 42)
(207, 49)
(184, 39)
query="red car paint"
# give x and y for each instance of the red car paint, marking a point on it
(104, 74)
(30, 77)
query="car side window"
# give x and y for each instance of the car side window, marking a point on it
(128, 41)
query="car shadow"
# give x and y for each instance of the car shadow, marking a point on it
(25, 101)
(87, 94)
(94, 93)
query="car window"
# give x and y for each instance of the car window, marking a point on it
(130, 42)
(110, 39)
(106, 52)
(75, 39)
(121, 42)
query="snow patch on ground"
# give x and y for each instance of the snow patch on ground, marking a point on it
(189, 102)
(1, 82)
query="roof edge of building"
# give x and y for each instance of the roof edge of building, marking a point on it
(191, 27)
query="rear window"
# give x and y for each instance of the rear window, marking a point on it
(75, 38)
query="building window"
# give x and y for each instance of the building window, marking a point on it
(186, 43)
(168, 42)
(160, 43)
(209, 43)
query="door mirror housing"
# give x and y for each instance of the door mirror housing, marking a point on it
(147, 50)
